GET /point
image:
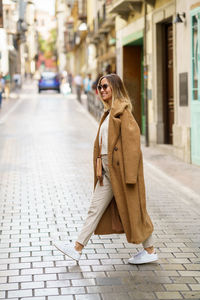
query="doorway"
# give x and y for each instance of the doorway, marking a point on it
(165, 86)
(133, 79)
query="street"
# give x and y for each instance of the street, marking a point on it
(46, 181)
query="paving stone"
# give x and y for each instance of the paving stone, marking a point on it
(191, 295)
(183, 279)
(60, 283)
(31, 271)
(109, 281)
(31, 298)
(99, 289)
(87, 262)
(83, 282)
(88, 297)
(176, 287)
(2, 294)
(45, 277)
(189, 273)
(3, 280)
(195, 287)
(32, 285)
(73, 290)
(68, 275)
(118, 296)
(19, 293)
(46, 292)
(42, 264)
(20, 266)
(60, 297)
(119, 274)
(173, 267)
(169, 295)
(168, 273)
(102, 268)
(9, 286)
(93, 274)
(31, 259)
(9, 272)
(192, 267)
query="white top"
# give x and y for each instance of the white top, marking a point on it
(78, 80)
(104, 134)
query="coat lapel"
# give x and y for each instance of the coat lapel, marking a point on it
(113, 132)
(96, 143)
(113, 127)
(115, 124)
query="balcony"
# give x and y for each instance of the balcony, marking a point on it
(101, 24)
(124, 7)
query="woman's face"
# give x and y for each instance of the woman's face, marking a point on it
(105, 91)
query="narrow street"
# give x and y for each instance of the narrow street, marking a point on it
(46, 181)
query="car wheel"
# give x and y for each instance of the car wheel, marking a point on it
(58, 90)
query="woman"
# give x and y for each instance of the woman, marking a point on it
(118, 204)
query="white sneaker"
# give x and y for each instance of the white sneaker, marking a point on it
(143, 257)
(68, 249)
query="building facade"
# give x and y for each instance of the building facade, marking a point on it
(61, 12)
(155, 34)
(31, 45)
(154, 45)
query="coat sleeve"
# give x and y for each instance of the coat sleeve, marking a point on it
(130, 133)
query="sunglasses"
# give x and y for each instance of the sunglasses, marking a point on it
(104, 86)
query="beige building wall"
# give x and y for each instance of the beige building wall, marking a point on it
(160, 14)
(61, 17)
(31, 38)
(183, 117)
(91, 12)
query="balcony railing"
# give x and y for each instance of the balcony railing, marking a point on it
(102, 23)
(124, 7)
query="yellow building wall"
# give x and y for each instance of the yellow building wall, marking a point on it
(91, 5)
(120, 23)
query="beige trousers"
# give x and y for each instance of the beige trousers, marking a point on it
(100, 200)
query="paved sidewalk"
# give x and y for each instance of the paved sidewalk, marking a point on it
(46, 182)
(180, 173)
(9, 105)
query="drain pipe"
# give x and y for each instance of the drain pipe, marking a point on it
(145, 78)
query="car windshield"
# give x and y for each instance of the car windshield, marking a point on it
(48, 75)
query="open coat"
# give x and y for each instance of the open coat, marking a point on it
(127, 210)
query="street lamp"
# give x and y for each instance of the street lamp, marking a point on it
(178, 18)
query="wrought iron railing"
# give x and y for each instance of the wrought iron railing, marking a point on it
(94, 104)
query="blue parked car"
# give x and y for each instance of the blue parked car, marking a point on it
(49, 81)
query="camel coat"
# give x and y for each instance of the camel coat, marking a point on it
(127, 210)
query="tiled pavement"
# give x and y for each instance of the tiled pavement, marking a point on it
(45, 186)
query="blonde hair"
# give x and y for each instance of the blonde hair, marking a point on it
(119, 91)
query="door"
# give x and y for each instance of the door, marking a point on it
(132, 56)
(195, 97)
(169, 99)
